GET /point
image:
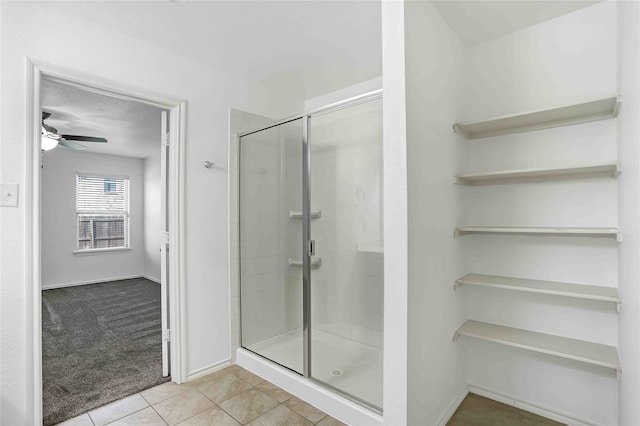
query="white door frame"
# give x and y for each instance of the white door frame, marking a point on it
(35, 72)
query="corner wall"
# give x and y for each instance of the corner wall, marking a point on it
(629, 211)
(434, 62)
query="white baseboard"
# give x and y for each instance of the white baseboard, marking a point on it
(150, 278)
(530, 407)
(453, 407)
(204, 371)
(103, 280)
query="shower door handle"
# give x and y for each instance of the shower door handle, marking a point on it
(312, 248)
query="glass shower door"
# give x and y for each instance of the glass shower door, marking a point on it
(311, 249)
(347, 278)
(271, 244)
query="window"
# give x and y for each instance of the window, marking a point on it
(109, 185)
(102, 211)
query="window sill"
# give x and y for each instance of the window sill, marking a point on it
(100, 251)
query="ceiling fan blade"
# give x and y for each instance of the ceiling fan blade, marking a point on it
(49, 128)
(71, 145)
(83, 138)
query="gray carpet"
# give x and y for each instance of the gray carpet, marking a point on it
(100, 342)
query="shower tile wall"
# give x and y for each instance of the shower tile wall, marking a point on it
(241, 122)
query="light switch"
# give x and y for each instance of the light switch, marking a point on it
(9, 195)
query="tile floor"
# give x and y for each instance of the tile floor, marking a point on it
(476, 410)
(229, 397)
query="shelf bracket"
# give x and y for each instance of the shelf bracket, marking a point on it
(618, 306)
(456, 284)
(618, 170)
(455, 336)
(456, 233)
(619, 237)
(618, 373)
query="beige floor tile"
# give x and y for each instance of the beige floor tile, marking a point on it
(330, 421)
(306, 410)
(146, 417)
(248, 405)
(281, 416)
(81, 420)
(248, 376)
(182, 406)
(213, 416)
(480, 411)
(117, 410)
(223, 388)
(215, 375)
(160, 393)
(233, 368)
(273, 391)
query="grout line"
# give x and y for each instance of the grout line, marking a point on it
(161, 418)
(145, 399)
(326, 415)
(120, 418)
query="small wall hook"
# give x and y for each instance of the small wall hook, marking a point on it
(209, 164)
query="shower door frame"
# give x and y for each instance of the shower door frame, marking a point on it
(307, 243)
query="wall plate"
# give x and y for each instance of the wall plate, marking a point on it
(9, 195)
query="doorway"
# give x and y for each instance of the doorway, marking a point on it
(104, 296)
(107, 235)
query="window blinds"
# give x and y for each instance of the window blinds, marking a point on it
(102, 211)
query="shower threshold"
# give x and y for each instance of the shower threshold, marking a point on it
(349, 366)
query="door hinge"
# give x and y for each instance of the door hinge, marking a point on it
(165, 139)
(166, 335)
(165, 238)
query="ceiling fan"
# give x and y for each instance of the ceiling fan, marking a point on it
(51, 138)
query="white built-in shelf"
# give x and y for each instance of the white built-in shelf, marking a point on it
(370, 247)
(316, 262)
(601, 169)
(578, 291)
(597, 109)
(541, 231)
(297, 214)
(563, 347)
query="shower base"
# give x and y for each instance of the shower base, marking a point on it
(347, 365)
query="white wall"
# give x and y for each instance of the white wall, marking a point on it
(434, 62)
(152, 216)
(566, 59)
(60, 266)
(629, 211)
(95, 50)
(395, 209)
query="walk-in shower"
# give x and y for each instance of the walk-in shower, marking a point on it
(311, 250)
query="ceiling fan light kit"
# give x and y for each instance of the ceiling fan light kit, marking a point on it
(51, 138)
(49, 141)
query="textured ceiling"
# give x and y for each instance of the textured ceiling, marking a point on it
(132, 128)
(311, 47)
